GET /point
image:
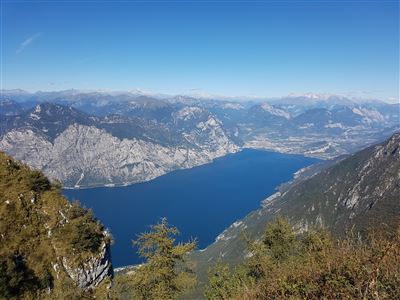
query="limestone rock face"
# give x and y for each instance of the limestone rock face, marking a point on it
(92, 272)
(88, 156)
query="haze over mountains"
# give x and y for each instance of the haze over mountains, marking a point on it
(96, 138)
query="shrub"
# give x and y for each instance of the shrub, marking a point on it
(16, 278)
(38, 182)
(313, 267)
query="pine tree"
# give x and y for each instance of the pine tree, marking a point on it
(165, 275)
(279, 238)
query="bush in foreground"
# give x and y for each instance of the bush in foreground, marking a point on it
(312, 266)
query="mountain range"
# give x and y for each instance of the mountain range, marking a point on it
(86, 139)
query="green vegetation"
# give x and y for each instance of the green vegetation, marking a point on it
(38, 229)
(312, 266)
(278, 239)
(81, 231)
(38, 182)
(165, 274)
(16, 278)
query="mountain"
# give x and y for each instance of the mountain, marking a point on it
(9, 107)
(341, 119)
(46, 118)
(321, 132)
(154, 135)
(50, 248)
(268, 115)
(301, 102)
(100, 104)
(97, 103)
(356, 193)
(83, 150)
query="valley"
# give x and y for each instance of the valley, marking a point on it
(91, 139)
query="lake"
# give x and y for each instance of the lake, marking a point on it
(201, 201)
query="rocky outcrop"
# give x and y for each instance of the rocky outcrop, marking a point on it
(48, 241)
(95, 270)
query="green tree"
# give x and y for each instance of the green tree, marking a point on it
(165, 275)
(38, 182)
(279, 239)
(15, 278)
(218, 282)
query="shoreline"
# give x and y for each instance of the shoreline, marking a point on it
(125, 184)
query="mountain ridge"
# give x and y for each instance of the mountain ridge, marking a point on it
(204, 129)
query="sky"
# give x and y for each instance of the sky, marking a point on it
(233, 48)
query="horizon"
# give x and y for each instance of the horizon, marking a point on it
(206, 96)
(213, 120)
(230, 49)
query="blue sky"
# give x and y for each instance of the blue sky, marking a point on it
(252, 48)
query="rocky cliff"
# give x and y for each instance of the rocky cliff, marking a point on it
(49, 246)
(88, 155)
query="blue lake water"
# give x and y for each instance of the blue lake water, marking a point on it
(201, 201)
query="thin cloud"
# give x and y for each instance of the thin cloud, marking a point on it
(28, 42)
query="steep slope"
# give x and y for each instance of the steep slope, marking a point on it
(82, 150)
(88, 156)
(357, 192)
(50, 248)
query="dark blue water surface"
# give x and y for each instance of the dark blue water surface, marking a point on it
(201, 202)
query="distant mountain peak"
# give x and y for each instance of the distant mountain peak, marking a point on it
(275, 111)
(321, 97)
(313, 96)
